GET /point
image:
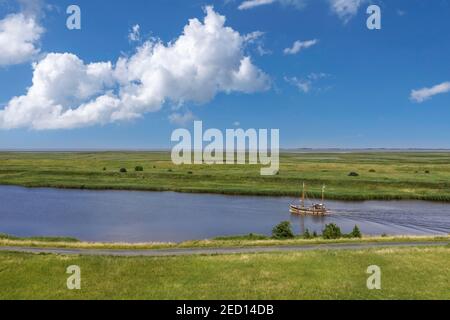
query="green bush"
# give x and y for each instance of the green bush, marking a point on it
(123, 170)
(283, 231)
(356, 233)
(332, 231)
(307, 234)
(353, 174)
(139, 168)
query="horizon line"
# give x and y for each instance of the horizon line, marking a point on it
(55, 150)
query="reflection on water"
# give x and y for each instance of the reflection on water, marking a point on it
(151, 216)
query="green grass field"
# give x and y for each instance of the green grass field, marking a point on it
(412, 273)
(424, 176)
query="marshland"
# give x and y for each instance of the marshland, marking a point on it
(348, 176)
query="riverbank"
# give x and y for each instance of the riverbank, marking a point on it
(380, 176)
(231, 242)
(407, 273)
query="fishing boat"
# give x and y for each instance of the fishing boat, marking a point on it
(316, 209)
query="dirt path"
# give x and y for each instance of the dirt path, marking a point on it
(215, 251)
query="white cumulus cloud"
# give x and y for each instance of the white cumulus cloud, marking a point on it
(300, 45)
(62, 83)
(19, 37)
(207, 59)
(424, 94)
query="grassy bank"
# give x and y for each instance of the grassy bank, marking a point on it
(7, 237)
(424, 176)
(230, 242)
(411, 273)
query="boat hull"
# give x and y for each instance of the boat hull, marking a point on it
(308, 211)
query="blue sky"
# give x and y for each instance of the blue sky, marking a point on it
(351, 89)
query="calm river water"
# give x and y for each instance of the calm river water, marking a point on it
(150, 216)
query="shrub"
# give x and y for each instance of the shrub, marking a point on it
(315, 235)
(332, 231)
(170, 170)
(427, 171)
(104, 169)
(353, 174)
(372, 171)
(190, 172)
(123, 170)
(139, 168)
(307, 234)
(356, 233)
(283, 231)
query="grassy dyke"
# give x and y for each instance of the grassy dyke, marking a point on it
(407, 273)
(382, 176)
(225, 242)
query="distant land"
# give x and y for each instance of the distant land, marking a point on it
(285, 150)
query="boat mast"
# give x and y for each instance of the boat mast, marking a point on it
(303, 196)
